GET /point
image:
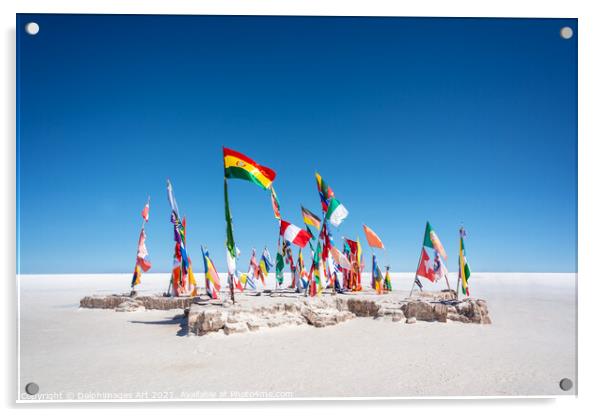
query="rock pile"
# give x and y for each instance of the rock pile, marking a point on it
(208, 316)
(327, 311)
(148, 302)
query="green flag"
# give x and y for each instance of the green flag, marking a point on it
(336, 212)
(279, 267)
(229, 234)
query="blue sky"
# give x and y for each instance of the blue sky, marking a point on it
(453, 121)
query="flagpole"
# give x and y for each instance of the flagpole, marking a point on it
(459, 267)
(418, 266)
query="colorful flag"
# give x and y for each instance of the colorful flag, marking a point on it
(310, 219)
(137, 275)
(275, 203)
(439, 267)
(265, 264)
(325, 192)
(372, 238)
(464, 268)
(377, 276)
(229, 233)
(294, 234)
(426, 267)
(336, 212)
(247, 279)
(254, 272)
(387, 284)
(142, 255)
(212, 284)
(316, 272)
(301, 268)
(237, 165)
(431, 240)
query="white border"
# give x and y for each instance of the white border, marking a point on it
(590, 207)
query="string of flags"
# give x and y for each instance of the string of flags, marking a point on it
(328, 262)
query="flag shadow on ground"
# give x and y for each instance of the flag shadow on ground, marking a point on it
(179, 320)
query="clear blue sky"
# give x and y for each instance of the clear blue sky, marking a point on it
(408, 119)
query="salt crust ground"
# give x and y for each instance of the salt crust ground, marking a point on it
(74, 353)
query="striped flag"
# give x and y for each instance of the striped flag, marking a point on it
(237, 165)
(265, 264)
(325, 192)
(431, 240)
(212, 284)
(464, 268)
(310, 219)
(294, 234)
(336, 212)
(275, 203)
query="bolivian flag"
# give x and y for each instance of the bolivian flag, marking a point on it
(237, 165)
(464, 269)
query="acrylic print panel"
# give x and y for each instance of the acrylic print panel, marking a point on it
(295, 207)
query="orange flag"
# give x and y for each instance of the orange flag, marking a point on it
(372, 238)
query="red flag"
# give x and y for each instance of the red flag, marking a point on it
(294, 234)
(144, 264)
(145, 211)
(426, 268)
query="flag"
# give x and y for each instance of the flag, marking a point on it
(142, 255)
(237, 165)
(172, 200)
(431, 240)
(325, 192)
(212, 284)
(340, 259)
(301, 268)
(336, 212)
(275, 202)
(294, 234)
(279, 267)
(439, 267)
(248, 279)
(229, 233)
(254, 272)
(426, 267)
(417, 282)
(230, 262)
(377, 276)
(316, 272)
(372, 238)
(359, 254)
(145, 212)
(464, 268)
(387, 283)
(310, 219)
(137, 275)
(265, 264)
